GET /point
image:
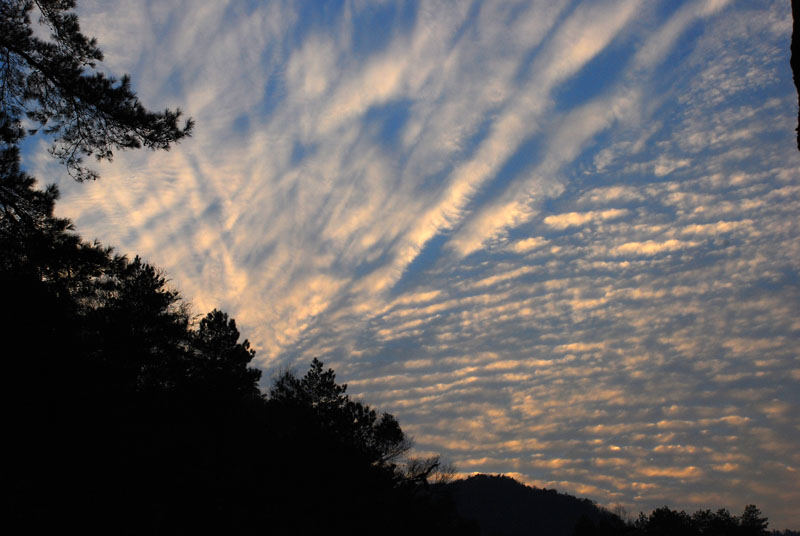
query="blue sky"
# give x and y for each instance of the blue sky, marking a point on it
(557, 239)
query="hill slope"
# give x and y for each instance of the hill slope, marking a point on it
(503, 506)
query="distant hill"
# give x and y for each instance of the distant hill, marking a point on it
(503, 506)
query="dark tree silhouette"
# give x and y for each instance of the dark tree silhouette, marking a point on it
(430, 470)
(664, 521)
(752, 522)
(377, 437)
(710, 523)
(119, 414)
(343, 461)
(54, 83)
(123, 416)
(219, 364)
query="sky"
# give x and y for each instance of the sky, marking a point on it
(557, 240)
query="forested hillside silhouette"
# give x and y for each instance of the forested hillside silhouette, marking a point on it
(125, 416)
(502, 506)
(665, 521)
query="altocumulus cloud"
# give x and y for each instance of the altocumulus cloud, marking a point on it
(557, 239)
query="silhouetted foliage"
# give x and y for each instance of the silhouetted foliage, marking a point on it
(753, 522)
(351, 456)
(430, 470)
(54, 83)
(125, 416)
(719, 522)
(378, 438)
(219, 361)
(122, 414)
(665, 521)
(501, 506)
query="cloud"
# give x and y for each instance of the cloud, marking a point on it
(651, 247)
(577, 219)
(527, 244)
(556, 239)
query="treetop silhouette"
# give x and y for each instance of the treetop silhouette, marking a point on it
(378, 437)
(55, 84)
